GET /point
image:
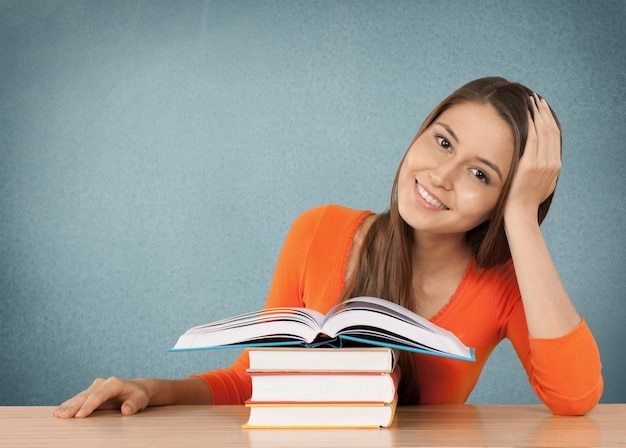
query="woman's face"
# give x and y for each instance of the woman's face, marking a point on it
(452, 175)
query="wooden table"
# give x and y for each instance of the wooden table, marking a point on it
(220, 426)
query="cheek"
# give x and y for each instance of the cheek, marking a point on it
(478, 202)
(403, 186)
(405, 171)
(413, 160)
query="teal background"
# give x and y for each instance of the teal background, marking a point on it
(154, 153)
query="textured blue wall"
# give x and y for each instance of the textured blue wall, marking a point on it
(153, 155)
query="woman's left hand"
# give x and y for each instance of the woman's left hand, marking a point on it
(549, 310)
(539, 166)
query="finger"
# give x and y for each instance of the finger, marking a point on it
(547, 131)
(542, 114)
(134, 397)
(539, 108)
(101, 397)
(132, 406)
(548, 144)
(68, 408)
(550, 135)
(531, 138)
(535, 99)
(546, 111)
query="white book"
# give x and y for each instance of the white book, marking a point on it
(311, 387)
(298, 359)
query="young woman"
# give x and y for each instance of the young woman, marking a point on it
(460, 245)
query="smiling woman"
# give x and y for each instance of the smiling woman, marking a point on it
(460, 245)
(454, 167)
(447, 219)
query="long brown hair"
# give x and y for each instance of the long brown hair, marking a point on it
(385, 265)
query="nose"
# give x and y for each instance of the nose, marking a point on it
(442, 175)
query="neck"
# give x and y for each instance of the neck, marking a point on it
(439, 253)
(439, 264)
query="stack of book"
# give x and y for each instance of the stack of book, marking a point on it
(322, 387)
(297, 383)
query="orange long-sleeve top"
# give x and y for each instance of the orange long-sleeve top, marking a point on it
(486, 307)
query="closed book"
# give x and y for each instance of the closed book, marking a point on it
(297, 359)
(324, 386)
(321, 415)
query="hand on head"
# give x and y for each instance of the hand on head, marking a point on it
(539, 167)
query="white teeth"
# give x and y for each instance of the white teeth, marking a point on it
(428, 198)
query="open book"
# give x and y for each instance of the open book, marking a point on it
(358, 321)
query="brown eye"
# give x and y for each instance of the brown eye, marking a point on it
(480, 175)
(443, 142)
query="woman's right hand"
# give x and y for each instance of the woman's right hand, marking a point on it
(129, 396)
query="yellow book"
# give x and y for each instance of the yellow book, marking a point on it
(321, 415)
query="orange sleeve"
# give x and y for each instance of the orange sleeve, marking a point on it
(328, 230)
(567, 371)
(230, 385)
(564, 372)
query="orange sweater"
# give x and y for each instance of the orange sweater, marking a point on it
(486, 307)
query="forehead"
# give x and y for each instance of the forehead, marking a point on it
(479, 128)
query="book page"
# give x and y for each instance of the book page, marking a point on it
(272, 323)
(383, 320)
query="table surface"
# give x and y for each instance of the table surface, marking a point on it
(220, 426)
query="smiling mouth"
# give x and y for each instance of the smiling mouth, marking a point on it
(428, 198)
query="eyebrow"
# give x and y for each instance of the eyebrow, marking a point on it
(491, 165)
(449, 129)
